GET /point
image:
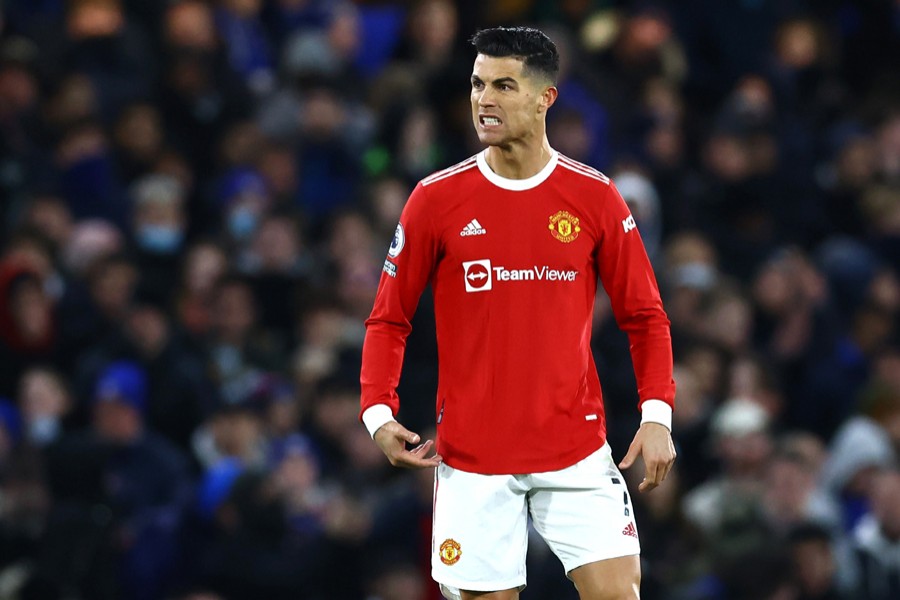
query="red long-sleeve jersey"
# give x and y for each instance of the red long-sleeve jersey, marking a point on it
(514, 266)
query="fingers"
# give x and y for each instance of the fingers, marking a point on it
(421, 454)
(654, 443)
(652, 475)
(407, 435)
(653, 471)
(633, 452)
(422, 449)
(666, 462)
(417, 457)
(646, 486)
(658, 469)
(393, 444)
(668, 466)
(392, 437)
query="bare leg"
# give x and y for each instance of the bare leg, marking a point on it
(613, 579)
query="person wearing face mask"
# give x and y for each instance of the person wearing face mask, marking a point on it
(245, 197)
(159, 223)
(46, 405)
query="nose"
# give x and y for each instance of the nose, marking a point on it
(485, 98)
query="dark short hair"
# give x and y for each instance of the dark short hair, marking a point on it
(809, 531)
(530, 45)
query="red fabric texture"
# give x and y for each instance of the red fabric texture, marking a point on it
(518, 390)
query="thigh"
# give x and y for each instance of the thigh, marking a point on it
(584, 512)
(480, 532)
(613, 578)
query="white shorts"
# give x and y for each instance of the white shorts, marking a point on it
(480, 529)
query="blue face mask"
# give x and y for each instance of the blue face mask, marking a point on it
(43, 430)
(242, 223)
(160, 239)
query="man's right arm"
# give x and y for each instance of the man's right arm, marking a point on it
(407, 270)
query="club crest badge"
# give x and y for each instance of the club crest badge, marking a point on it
(564, 226)
(450, 552)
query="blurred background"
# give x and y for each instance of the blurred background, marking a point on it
(195, 201)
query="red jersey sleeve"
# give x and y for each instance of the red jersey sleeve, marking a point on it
(627, 276)
(407, 270)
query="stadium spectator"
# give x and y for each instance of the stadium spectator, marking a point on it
(138, 137)
(46, 404)
(740, 429)
(28, 328)
(202, 266)
(158, 226)
(814, 564)
(859, 449)
(876, 539)
(240, 352)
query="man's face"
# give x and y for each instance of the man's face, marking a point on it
(507, 105)
(117, 422)
(814, 566)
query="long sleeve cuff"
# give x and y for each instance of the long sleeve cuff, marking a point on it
(653, 411)
(377, 415)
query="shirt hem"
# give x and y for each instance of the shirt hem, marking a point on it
(516, 468)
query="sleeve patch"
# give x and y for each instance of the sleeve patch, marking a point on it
(398, 242)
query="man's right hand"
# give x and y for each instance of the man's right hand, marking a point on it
(392, 438)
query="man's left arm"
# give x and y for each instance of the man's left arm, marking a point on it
(627, 275)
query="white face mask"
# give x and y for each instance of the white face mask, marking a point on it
(54, 286)
(43, 429)
(160, 239)
(242, 223)
(695, 274)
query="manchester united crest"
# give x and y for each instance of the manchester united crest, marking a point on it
(564, 226)
(450, 552)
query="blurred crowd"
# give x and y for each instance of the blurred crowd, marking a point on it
(195, 200)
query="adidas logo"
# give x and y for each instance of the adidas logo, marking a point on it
(473, 228)
(630, 530)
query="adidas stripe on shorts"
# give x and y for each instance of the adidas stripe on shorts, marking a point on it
(480, 531)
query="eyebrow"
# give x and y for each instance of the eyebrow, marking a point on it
(500, 81)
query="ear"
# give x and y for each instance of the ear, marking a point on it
(548, 97)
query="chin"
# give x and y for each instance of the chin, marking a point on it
(489, 139)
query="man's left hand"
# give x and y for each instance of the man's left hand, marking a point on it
(653, 441)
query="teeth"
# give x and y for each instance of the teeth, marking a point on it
(491, 121)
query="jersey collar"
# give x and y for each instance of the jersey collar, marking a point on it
(516, 185)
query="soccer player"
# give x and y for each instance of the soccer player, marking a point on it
(513, 241)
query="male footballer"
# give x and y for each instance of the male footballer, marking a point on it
(513, 242)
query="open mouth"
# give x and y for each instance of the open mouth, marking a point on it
(489, 121)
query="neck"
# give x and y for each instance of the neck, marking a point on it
(519, 161)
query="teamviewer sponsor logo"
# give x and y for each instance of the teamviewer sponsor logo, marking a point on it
(535, 273)
(478, 275)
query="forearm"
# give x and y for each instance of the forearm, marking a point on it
(382, 362)
(651, 355)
